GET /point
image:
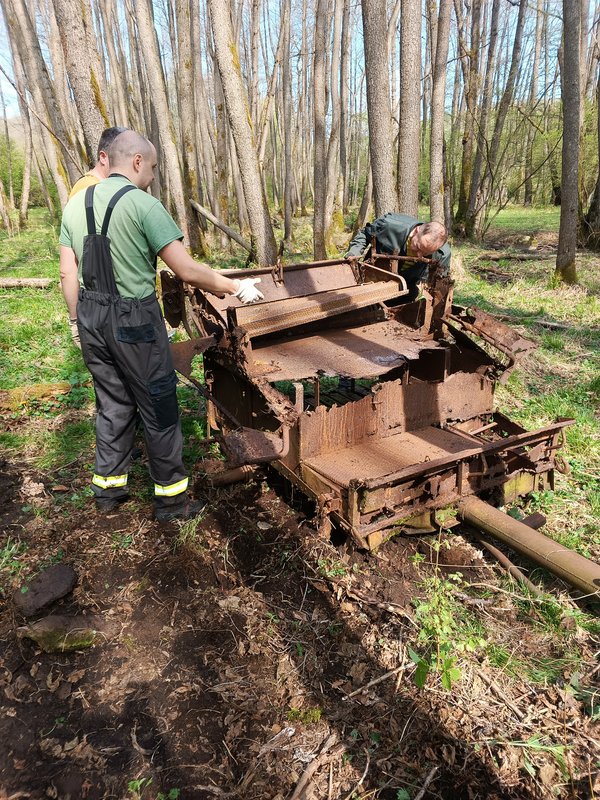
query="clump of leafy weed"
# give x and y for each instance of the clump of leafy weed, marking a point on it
(446, 631)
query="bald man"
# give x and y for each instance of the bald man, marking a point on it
(101, 168)
(110, 237)
(403, 235)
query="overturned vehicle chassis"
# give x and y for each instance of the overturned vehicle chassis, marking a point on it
(379, 410)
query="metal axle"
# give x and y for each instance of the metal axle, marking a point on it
(571, 567)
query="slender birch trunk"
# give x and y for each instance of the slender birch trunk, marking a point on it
(438, 97)
(226, 52)
(374, 18)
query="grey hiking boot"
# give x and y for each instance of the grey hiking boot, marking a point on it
(183, 511)
(104, 505)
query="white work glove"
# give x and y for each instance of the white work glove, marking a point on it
(247, 291)
(75, 332)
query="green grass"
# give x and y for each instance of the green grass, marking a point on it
(561, 378)
(532, 221)
(12, 564)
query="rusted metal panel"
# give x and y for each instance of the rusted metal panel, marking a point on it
(377, 457)
(369, 351)
(298, 281)
(184, 353)
(391, 408)
(281, 315)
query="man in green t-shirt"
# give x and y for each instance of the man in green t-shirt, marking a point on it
(108, 281)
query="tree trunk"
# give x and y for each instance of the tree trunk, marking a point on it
(475, 199)
(78, 41)
(409, 145)
(11, 191)
(333, 149)
(570, 88)
(591, 222)
(226, 52)
(471, 79)
(533, 96)
(119, 75)
(28, 156)
(438, 96)
(255, 41)
(321, 39)
(490, 176)
(344, 94)
(288, 128)
(374, 19)
(24, 42)
(164, 121)
(363, 211)
(187, 105)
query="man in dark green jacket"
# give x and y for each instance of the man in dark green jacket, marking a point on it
(403, 235)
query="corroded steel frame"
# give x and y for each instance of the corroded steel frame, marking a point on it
(410, 425)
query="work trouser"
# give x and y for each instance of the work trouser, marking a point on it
(125, 346)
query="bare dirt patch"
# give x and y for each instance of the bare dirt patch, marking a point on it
(228, 657)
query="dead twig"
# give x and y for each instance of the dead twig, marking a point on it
(428, 779)
(391, 608)
(324, 757)
(380, 679)
(362, 778)
(500, 694)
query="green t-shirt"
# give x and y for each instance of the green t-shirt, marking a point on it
(139, 228)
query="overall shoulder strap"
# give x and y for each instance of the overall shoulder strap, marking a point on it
(113, 202)
(89, 209)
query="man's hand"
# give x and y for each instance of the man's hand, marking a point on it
(247, 291)
(75, 332)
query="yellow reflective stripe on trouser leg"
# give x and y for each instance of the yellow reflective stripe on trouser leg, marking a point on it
(172, 490)
(110, 481)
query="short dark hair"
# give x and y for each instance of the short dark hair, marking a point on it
(107, 138)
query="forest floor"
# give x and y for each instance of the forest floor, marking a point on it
(238, 655)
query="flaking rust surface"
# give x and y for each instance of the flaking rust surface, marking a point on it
(380, 457)
(365, 352)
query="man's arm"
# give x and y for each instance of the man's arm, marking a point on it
(200, 275)
(358, 244)
(68, 279)
(443, 256)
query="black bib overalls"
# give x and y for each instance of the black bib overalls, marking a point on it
(125, 346)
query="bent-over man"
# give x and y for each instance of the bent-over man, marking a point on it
(110, 237)
(403, 235)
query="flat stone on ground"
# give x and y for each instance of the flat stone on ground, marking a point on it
(59, 633)
(47, 587)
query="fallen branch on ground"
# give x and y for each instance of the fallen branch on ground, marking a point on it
(380, 679)
(25, 283)
(221, 225)
(515, 256)
(326, 755)
(428, 780)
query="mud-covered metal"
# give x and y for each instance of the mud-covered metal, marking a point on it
(572, 567)
(380, 410)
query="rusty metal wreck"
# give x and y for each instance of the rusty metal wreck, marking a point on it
(381, 411)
